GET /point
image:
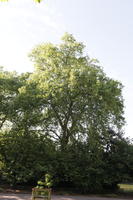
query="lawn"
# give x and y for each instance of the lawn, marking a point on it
(126, 187)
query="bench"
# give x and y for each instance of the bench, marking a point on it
(38, 193)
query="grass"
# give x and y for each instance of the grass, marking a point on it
(126, 190)
(126, 187)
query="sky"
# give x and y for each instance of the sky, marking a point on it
(104, 26)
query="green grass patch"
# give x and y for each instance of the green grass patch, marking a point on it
(126, 187)
(126, 190)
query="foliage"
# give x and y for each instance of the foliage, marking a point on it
(89, 169)
(25, 157)
(64, 119)
(46, 183)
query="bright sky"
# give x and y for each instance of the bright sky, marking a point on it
(104, 26)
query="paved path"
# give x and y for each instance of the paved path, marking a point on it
(9, 196)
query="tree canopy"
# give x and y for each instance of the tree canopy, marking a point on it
(74, 93)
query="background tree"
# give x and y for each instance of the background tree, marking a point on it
(9, 85)
(25, 157)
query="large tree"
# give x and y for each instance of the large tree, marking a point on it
(77, 100)
(64, 118)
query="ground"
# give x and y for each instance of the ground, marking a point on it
(11, 196)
